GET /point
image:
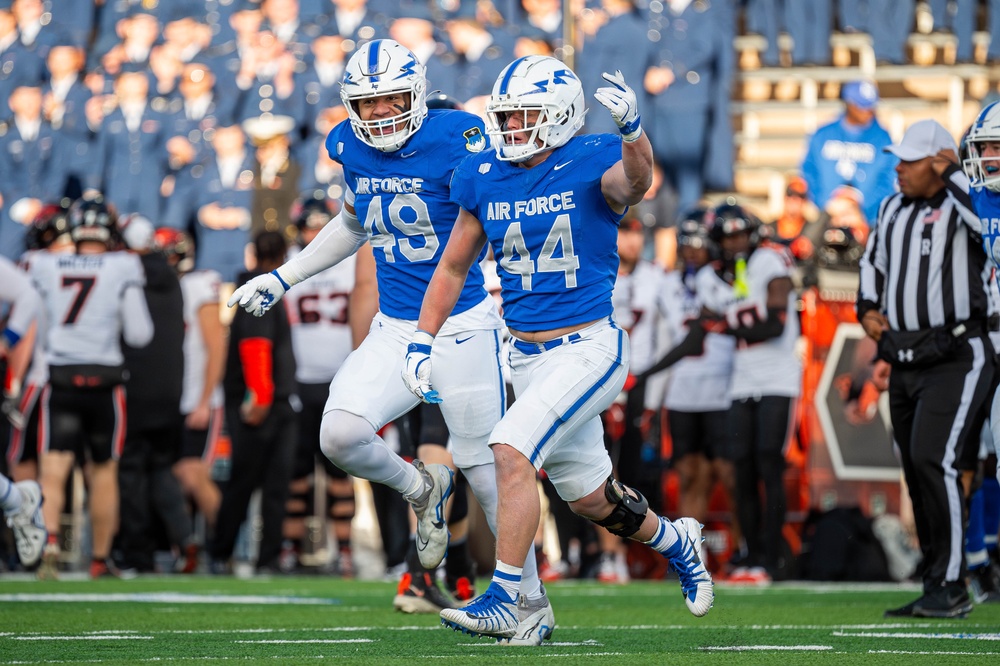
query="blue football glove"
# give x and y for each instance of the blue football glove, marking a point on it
(620, 100)
(417, 373)
(260, 294)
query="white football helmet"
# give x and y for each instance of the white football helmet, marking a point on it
(983, 172)
(532, 83)
(378, 68)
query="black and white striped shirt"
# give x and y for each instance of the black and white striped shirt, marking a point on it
(925, 265)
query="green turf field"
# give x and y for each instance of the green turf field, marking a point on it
(300, 620)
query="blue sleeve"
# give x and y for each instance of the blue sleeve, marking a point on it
(334, 138)
(463, 191)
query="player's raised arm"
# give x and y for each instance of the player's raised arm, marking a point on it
(467, 239)
(625, 183)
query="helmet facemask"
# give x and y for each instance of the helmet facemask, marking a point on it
(538, 130)
(983, 171)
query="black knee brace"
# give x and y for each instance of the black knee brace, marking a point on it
(629, 512)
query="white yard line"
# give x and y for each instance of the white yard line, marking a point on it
(767, 648)
(959, 636)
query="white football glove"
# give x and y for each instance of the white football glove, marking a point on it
(11, 409)
(260, 294)
(620, 100)
(417, 373)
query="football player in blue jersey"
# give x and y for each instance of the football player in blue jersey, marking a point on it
(981, 163)
(398, 160)
(549, 203)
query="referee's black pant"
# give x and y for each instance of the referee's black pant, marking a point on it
(932, 410)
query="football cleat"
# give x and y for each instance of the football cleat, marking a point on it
(49, 568)
(611, 570)
(536, 621)
(432, 531)
(462, 588)
(492, 614)
(419, 594)
(107, 568)
(750, 576)
(696, 582)
(30, 534)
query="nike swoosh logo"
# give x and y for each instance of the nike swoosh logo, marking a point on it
(560, 166)
(458, 342)
(405, 155)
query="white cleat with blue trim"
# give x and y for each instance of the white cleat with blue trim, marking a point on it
(493, 614)
(696, 582)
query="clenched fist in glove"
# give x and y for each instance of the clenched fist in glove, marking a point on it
(417, 373)
(260, 294)
(620, 100)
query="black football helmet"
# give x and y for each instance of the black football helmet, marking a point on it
(692, 230)
(731, 218)
(313, 213)
(93, 220)
(51, 222)
(175, 244)
(438, 100)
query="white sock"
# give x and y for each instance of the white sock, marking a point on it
(10, 495)
(509, 578)
(483, 481)
(665, 539)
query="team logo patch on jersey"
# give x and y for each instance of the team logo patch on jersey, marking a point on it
(474, 140)
(340, 147)
(485, 168)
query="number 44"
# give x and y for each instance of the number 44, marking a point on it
(559, 234)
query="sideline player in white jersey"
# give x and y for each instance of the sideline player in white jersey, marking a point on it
(21, 502)
(90, 301)
(398, 161)
(204, 361)
(549, 204)
(637, 310)
(750, 293)
(697, 396)
(49, 232)
(321, 341)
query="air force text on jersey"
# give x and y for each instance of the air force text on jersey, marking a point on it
(394, 185)
(543, 205)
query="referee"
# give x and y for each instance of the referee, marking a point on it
(923, 298)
